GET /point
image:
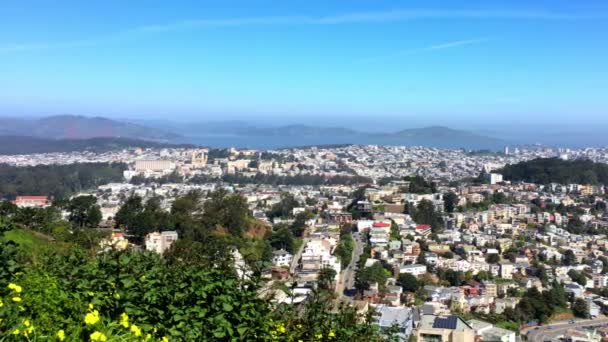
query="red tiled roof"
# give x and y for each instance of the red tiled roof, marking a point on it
(381, 224)
(423, 226)
(37, 198)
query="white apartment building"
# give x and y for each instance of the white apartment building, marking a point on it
(160, 242)
(415, 269)
(281, 258)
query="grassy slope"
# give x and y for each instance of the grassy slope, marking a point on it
(31, 243)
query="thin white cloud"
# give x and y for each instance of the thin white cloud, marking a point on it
(368, 17)
(337, 19)
(455, 43)
(441, 46)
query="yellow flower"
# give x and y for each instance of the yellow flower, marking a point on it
(124, 319)
(1, 304)
(148, 337)
(90, 306)
(299, 326)
(116, 295)
(92, 317)
(331, 334)
(26, 322)
(319, 336)
(16, 332)
(30, 329)
(90, 294)
(61, 335)
(16, 299)
(14, 287)
(135, 330)
(165, 339)
(97, 336)
(281, 328)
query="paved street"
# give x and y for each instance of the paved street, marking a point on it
(297, 256)
(548, 332)
(347, 278)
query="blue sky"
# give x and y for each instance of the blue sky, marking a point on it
(412, 63)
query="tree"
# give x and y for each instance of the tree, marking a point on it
(226, 211)
(408, 282)
(419, 186)
(282, 237)
(499, 197)
(326, 278)
(569, 258)
(482, 275)
(373, 274)
(450, 201)
(425, 214)
(578, 277)
(395, 234)
(84, 211)
(299, 224)
(285, 207)
(344, 250)
(580, 308)
(57, 181)
(185, 213)
(421, 259)
(493, 258)
(139, 219)
(454, 278)
(129, 210)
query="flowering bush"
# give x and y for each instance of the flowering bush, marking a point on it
(76, 295)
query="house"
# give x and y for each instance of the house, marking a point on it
(160, 242)
(500, 304)
(423, 230)
(281, 258)
(506, 270)
(317, 254)
(490, 333)
(489, 288)
(574, 290)
(364, 225)
(415, 269)
(401, 317)
(431, 258)
(600, 280)
(32, 201)
(593, 309)
(444, 329)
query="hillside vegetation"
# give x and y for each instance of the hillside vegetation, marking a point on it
(555, 170)
(57, 181)
(193, 293)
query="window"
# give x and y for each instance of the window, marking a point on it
(430, 338)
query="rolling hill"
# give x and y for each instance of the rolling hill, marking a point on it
(80, 127)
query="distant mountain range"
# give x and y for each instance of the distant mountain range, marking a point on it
(433, 136)
(80, 127)
(12, 145)
(235, 133)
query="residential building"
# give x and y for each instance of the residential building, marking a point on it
(444, 329)
(160, 242)
(281, 258)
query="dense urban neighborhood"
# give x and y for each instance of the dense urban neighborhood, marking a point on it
(431, 244)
